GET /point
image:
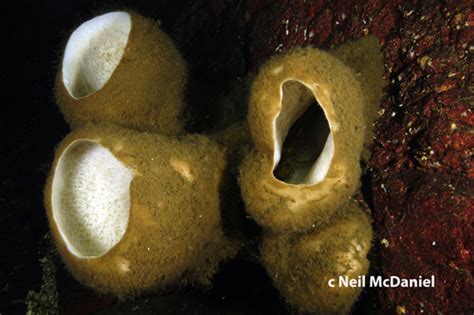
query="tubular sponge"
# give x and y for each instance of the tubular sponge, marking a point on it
(131, 211)
(121, 68)
(302, 265)
(307, 118)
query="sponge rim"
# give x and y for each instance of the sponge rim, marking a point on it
(76, 40)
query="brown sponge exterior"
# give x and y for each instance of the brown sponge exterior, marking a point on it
(174, 226)
(145, 91)
(365, 58)
(301, 265)
(288, 207)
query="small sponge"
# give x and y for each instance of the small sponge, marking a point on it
(121, 68)
(131, 211)
(325, 166)
(366, 59)
(302, 265)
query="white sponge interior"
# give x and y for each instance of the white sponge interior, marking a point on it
(93, 52)
(296, 98)
(90, 198)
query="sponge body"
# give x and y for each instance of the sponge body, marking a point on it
(365, 58)
(302, 264)
(171, 229)
(121, 68)
(284, 88)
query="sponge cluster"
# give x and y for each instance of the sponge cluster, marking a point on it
(310, 117)
(133, 203)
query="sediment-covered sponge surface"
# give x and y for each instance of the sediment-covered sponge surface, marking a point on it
(121, 68)
(164, 208)
(301, 265)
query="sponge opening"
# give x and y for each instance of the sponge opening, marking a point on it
(93, 52)
(90, 198)
(303, 142)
